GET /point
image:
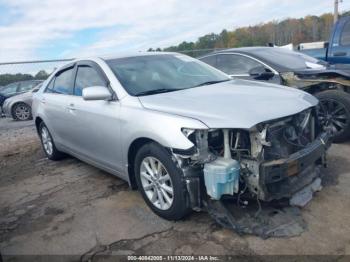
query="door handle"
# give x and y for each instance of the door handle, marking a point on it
(339, 54)
(43, 101)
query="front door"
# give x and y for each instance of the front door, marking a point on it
(95, 125)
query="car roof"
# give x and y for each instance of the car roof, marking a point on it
(249, 49)
(123, 55)
(254, 52)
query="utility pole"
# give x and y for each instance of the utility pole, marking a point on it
(336, 9)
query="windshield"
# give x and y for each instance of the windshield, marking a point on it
(9, 89)
(149, 74)
(290, 59)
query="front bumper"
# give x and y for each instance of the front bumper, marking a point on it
(284, 177)
(4, 110)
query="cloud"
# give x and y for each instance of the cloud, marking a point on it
(29, 27)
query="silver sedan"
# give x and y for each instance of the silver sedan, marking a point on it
(181, 131)
(19, 107)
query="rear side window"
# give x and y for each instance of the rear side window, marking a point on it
(236, 64)
(86, 77)
(64, 82)
(345, 35)
(210, 60)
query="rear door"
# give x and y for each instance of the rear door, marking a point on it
(95, 125)
(54, 101)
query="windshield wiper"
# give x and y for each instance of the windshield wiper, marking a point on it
(156, 91)
(212, 82)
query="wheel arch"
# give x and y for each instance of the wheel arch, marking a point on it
(132, 151)
(38, 121)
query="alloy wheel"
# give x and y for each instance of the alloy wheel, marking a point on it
(22, 112)
(333, 115)
(156, 183)
(47, 141)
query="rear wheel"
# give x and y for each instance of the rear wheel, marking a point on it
(160, 182)
(48, 144)
(21, 111)
(334, 113)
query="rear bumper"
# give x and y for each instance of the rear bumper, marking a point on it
(284, 177)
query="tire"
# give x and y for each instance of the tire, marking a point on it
(334, 112)
(21, 112)
(179, 207)
(46, 139)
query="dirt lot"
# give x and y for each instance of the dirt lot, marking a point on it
(69, 207)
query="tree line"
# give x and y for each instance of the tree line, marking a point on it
(11, 78)
(291, 30)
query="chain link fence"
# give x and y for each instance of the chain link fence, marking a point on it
(11, 72)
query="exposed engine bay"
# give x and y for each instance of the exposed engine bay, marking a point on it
(274, 160)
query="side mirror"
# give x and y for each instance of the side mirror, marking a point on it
(261, 73)
(96, 93)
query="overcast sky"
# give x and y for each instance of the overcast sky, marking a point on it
(33, 29)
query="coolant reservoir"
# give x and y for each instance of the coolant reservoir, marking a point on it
(221, 177)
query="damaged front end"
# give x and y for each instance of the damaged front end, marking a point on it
(314, 80)
(274, 160)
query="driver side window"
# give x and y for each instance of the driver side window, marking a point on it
(236, 64)
(87, 77)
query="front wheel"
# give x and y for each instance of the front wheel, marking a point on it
(334, 113)
(48, 144)
(160, 182)
(21, 112)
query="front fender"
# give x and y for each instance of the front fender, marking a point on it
(160, 127)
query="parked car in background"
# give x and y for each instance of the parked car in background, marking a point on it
(281, 66)
(19, 107)
(337, 49)
(17, 88)
(182, 132)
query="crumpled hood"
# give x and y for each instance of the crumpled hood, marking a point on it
(233, 104)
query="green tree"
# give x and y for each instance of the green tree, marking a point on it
(41, 75)
(290, 30)
(11, 78)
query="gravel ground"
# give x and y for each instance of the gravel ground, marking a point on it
(69, 207)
